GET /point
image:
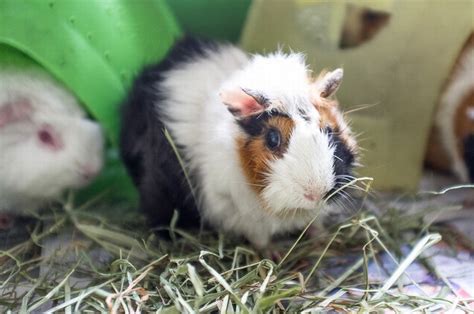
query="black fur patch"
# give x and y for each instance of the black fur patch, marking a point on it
(469, 155)
(146, 152)
(304, 115)
(255, 125)
(343, 159)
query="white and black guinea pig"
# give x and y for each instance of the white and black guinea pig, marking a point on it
(263, 142)
(47, 143)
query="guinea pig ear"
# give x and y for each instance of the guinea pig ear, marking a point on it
(15, 111)
(242, 103)
(329, 83)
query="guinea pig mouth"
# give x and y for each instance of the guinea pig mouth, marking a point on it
(300, 212)
(82, 180)
(80, 183)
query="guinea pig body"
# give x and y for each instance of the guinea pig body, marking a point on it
(451, 142)
(47, 143)
(261, 141)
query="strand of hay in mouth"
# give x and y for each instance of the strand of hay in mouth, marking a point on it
(213, 274)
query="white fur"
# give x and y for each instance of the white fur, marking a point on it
(307, 167)
(31, 174)
(202, 125)
(461, 84)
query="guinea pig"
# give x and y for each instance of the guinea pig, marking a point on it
(47, 143)
(451, 143)
(251, 144)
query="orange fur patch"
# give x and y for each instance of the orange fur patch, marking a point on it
(330, 116)
(254, 154)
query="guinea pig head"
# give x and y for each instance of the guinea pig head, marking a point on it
(46, 150)
(294, 146)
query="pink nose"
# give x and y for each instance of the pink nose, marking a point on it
(310, 196)
(88, 171)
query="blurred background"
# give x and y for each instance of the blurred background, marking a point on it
(408, 86)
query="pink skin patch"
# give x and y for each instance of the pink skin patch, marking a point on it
(49, 138)
(15, 111)
(240, 103)
(312, 195)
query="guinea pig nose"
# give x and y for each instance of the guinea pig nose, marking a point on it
(311, 195)
(88, 171)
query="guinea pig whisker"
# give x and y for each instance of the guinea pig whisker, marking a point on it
(350, 181)
(248, 183)
(339, 204)
(347, 179)
(286, 213)
(346, 182)
(347, 197)
(294, 213)
(360, 107)
(359, 189)
(348, 202)
(345, 176)
(355, 188)
(341, 194)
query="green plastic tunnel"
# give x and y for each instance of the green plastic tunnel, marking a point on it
(96, 47)
(93, 47)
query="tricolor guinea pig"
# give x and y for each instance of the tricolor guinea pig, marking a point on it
(47, 143)
(255, 146)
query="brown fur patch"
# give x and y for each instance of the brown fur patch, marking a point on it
(437, 155)
(330, 116)
(254, 154)
(464, 125)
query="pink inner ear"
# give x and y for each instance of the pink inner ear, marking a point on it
(240, 103)
(49, 138)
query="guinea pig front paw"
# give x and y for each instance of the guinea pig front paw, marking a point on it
(272, 253)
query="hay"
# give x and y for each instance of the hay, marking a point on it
(114, 268)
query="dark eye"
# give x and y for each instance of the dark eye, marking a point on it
(46, 137)
(273, 139)
(49, 138)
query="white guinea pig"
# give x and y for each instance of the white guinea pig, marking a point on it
(263, 143)
(47, 144)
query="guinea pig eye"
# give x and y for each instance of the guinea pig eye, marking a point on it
(45, 137)
(49, 138)
(273, 139)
